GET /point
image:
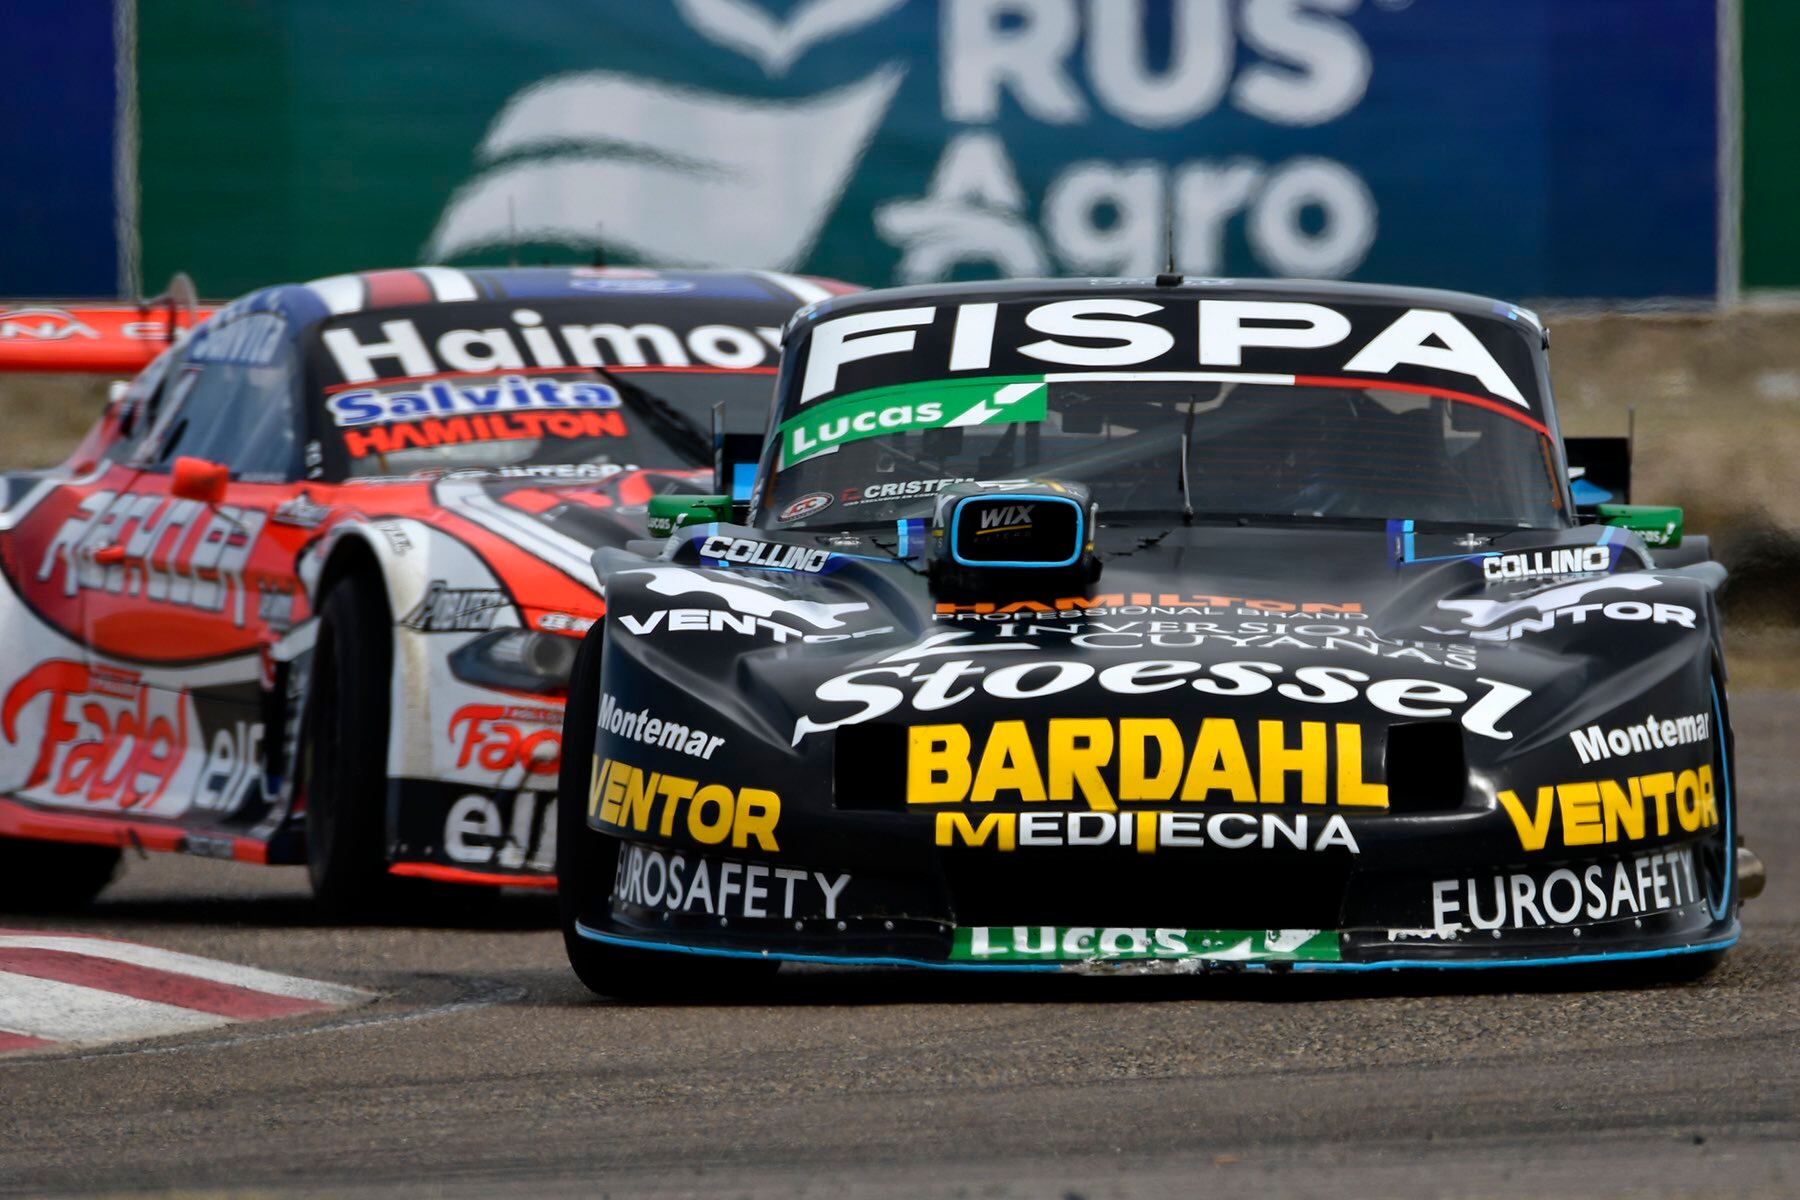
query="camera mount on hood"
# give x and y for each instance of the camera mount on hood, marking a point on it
(1015, 536)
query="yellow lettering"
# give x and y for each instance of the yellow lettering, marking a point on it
(757, 813)
(1219, 763)
(597, 792)
(1079, 747)
(1135, 734)
(640, 797)
(1658, 787)
(1146, 832)
(1533, 831)
(937, 764)
(1580, 804)
(612, 784)
(1008, 764)
(1002, 826)
(1622, 809)
(1279, 760)
(710, 833)
(674, 790)
(1687, 800)
(1709, 810)
(1352, 789)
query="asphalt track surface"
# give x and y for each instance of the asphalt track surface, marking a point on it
(486, 1069)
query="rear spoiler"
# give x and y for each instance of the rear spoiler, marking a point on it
(1599, 471)
(86, 337)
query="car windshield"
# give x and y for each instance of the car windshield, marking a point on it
(488, 386)
(637, 416)
(1250, 450)
(1442, 425)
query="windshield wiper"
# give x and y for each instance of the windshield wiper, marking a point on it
(1187, 434)
(678, 430)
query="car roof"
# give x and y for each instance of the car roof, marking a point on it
(305, 304)
(1324, 291)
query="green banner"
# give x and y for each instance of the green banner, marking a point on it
(1572, 150)
(901, 408)
(1771, 197)
(1056, 943)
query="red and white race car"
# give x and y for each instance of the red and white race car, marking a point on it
(311, 588)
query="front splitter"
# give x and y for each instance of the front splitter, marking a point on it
(1191, 964)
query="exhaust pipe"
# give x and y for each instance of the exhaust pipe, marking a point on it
(1751, 875)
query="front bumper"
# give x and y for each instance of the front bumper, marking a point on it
(1669, 900)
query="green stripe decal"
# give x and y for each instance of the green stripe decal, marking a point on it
(1061, 943)
(902, 408)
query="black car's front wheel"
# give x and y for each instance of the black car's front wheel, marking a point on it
(585, 860)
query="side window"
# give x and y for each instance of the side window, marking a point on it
(218, 406)
(143, 399)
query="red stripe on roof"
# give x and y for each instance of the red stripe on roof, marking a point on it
(1503, 407)
(149, 983)
(21, 1041)
(390, 289)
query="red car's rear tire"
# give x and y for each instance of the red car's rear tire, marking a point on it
(346, 752)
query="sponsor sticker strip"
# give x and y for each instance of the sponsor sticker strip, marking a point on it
(1055, 943)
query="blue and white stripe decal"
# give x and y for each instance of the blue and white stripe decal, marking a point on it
(340, 294)
(911, 532)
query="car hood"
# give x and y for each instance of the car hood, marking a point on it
(1518, 637)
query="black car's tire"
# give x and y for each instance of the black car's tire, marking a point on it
(346, 752)
(584, 870)
(53, 876)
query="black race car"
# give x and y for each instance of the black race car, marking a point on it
(1180, 623)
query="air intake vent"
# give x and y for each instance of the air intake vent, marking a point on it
(869, 768)
(1426, 771)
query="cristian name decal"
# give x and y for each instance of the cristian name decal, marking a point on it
(690, 885)
(1053, 943)
(1604, 811)
(625, 797)
(1106, 761)
(1144, 832)
(896, 490)
(773, 556)
(511, 393)
(1627, 887)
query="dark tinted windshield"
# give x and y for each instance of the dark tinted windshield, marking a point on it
(529, 383)
(1165, 403)
(1251, 450)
